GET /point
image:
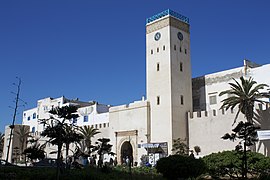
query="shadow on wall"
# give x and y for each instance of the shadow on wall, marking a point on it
(198, 94)
(262, 117)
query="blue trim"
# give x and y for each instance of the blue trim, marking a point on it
(166, 13)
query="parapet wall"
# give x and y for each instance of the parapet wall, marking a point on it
(207, 114)
(207, 127)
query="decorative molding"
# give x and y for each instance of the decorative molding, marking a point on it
(168, 21)
(126, 133)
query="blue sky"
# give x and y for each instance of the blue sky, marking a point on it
(95, 50)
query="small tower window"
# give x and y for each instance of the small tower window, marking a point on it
(151, 51)
(181, 66)
(164, 48)
(157, 66)
(158, 100)
(182, 99)
(185, 51)
(34, 116)
(157, 49)
(180, 49)
(174, 47)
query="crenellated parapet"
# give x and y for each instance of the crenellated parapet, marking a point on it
(211, 113)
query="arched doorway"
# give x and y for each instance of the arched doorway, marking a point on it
(126, 152)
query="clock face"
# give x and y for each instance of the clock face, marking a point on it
(180, 36)
(157, 36)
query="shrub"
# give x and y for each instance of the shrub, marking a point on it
(229, 163)
(177, 166)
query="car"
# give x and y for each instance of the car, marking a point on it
(47, 162)
(5, 163)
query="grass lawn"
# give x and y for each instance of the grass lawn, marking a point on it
(29, 173)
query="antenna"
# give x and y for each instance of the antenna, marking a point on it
(17, 99)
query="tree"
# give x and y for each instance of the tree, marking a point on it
(35, 151)
(197, 149)
(2, 140)
(244, 96)
(71, 136)
(180, 147)
(102, 147)
(23, 134)
(57, 129)
(87, 132)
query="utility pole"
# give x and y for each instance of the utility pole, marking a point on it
(14, 115)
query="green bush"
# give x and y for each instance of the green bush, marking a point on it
(229, 163)
(178, 166)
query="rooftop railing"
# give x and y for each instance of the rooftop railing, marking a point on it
(168, 12)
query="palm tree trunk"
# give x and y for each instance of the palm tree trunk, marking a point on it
(67, 149)
(58, 161)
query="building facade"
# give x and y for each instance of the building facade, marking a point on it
(176, 106)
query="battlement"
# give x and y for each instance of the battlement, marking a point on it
(214, 112)
(221, 112)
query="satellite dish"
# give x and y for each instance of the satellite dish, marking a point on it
(86, 111)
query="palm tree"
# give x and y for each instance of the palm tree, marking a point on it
(87, 132)
(71, 136)
(23, 134)
(2, 140)
(56, 129)
(244, 96)
(36, 151)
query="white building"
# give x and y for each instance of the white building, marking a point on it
(177, 106)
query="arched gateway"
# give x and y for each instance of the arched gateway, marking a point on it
(126, 152)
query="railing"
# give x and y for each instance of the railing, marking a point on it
(166, 13)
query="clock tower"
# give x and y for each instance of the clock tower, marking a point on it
(168, 71)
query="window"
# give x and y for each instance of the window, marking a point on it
(157, 66)
(108, 124)
(100, 125)
(214, 112)
(185, 51)
(182, 99)
(164, 48)
(28, 118)
(33, 129)
(174, 47)
(213, 99)
(157, 49)
(104, 125)
(158, 100)
(85, 118)
(181, 66)
(24, 114)
(151, 51)
(180, 49)
(96, 126)
(34, 116)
